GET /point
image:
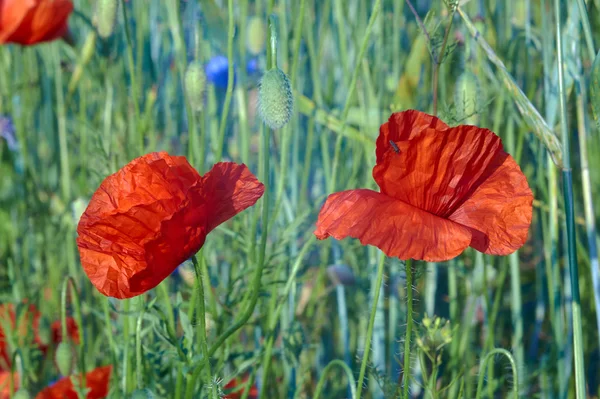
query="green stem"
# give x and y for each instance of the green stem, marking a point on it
(349, 375)
(131, 65)
(78, 320)
(229, 92)
(409, 323)
(570, 217)
(587, 29)
(352, 87)
(202, 319)
(367, 348)
(437, 62)
(483, 366)
(138, 346)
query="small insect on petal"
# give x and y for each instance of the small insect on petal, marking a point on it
(395, 146)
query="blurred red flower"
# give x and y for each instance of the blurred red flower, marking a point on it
(29, 320)
(235, 384)
(442, 189)
(5, 384)
(152, 215)
(30, 22)
(97, 381)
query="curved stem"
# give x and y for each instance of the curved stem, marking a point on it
(409, 324)
(349, 375)
(483, 366)
(229, 93)
(363, 365)
(78, 320)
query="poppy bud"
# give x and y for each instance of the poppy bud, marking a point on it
(64, 358)
(195, 83)
(256, 36)
(142, 394)
(21, 394)
(275, 99)
(106, 16)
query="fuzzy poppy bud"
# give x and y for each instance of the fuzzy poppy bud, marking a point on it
(275, 99)
(22, 394)
(106, 16)
(64, 358)
(256, 36)
(195, 83)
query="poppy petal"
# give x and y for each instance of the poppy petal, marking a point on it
(154, 214)
(436, 169)
(97, 381)
(499, 212)
(32, 22)
(398, 229)
(5, 384)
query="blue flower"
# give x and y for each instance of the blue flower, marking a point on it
(217, 71)
(7, 131)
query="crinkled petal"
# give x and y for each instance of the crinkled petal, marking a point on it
(436, 169)
(154, 214)
(499, 211)
(398, 229)
(97, 381)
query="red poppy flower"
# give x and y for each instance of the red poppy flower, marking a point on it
(152, 215)
(29, 320)
(97, 381)
(30, 22)
(442, 189)
(5, 384)
(235, 384)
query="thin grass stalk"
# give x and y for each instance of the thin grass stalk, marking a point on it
(586, 185)
(578, 350)
(351, 89)
(367, 348)
(530, 114)
(587, 29)
(229, 92)
(139, 365)
(70, 282)
(274, 315)
(132, 76)
(201, 315)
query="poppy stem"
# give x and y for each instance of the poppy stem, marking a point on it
(367, 348)
(409, 325)
(201, 315)
(78, 320)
